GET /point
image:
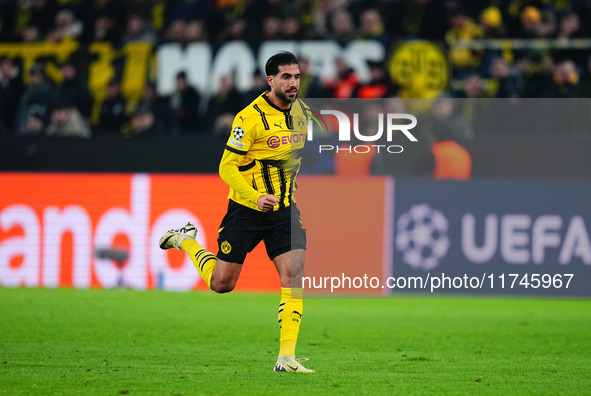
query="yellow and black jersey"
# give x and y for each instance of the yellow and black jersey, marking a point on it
(263, 152)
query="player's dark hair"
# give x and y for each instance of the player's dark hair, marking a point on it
(280, 59)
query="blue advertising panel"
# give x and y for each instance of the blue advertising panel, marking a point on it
(493, 237)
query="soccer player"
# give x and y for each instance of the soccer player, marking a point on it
(260, 164)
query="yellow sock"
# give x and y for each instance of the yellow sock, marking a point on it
(290, 317)
(203, 260)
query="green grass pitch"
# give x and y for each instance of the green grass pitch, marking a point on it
(128, 342)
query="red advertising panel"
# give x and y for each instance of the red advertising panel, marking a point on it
(348, 221)
(51, 226)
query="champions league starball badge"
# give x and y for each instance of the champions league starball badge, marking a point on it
(238, 133)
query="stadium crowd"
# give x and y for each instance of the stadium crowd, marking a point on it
(43, 106)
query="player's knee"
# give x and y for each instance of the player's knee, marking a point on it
(222, 286)
(292, 277)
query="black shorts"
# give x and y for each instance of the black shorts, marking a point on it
(242, 229)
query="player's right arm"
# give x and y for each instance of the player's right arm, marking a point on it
(241, 137)
(231, 176)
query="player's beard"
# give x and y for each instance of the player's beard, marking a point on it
(284, 98)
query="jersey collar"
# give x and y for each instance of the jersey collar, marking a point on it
(265, 96)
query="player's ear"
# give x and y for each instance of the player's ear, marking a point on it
(270, 81)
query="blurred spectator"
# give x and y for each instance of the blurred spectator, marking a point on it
(30, 34)
(372, 27)
(310, 84)
(463, 60)
(113, 112)
(175, 32)
(138, 31)
(195, 31)
(380, 84)
(566, 81)
(345, 82)
(66, 121)
(537, 68)
(548, 27)
(470, 108)
(227, 101)
(184, 104)
(491, 22)
(104, 29)
(241, 29)
(66, 25)
(74, 90)
(143, 123)
(11, 89)
(505, 79)
(237, 30)
(104, 20)
(570, 25)
(291, 29)
(444, 115)
(531, 23)
(316, 18)
(260, 85)
(39, 93)
(34, 123)
(156, 104)
(39, 13)
(472, 87)
(342, 27)
(222, 126)
(271, 28)
(570, 28)
(446, 159)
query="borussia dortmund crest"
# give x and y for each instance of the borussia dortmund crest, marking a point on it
(301, 122)
(226, 247)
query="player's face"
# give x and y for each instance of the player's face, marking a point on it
(286, 83)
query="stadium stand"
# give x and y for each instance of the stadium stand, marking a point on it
(183, 67)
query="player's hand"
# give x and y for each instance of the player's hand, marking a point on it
(266, 202)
